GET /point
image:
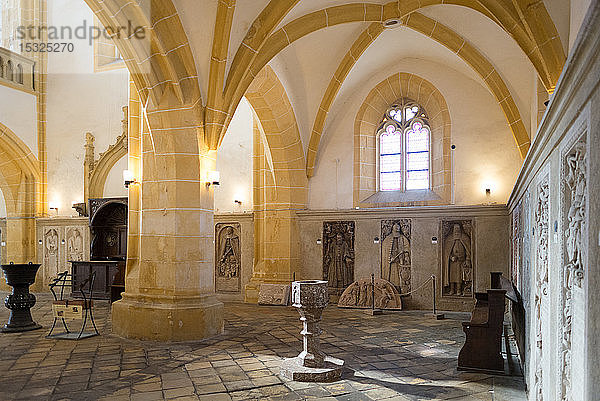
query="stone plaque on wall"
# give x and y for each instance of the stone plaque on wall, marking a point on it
(50, 251)
(228, 258)
(75, 244)
(457, 264)
(338, 255)
(395, 253)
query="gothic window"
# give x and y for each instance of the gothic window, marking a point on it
(403, 148)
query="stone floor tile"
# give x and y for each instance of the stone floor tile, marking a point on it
(396, 356)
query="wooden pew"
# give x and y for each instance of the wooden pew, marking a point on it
(483, 347)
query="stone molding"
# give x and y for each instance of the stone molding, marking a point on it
(415, 211)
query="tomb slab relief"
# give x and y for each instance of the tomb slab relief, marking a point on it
(395, 253)
(51, 257)
(457, 261)
(75, 247)
(573, 216)
(228, 257)
(338, 255)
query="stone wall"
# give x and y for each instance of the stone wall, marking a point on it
(489, 247)
(555, 210)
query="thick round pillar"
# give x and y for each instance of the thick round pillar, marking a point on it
(169, 282)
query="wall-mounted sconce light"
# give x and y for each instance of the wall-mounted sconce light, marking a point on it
(376, 240)
(239, 202)
(213, 178)
(40, 241)
(53, 206)
(434, 240)
(2, 243)
(319, 241)
(128, 178)
(488, 191)
(62, 241)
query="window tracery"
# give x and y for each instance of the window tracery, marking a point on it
(403, 145)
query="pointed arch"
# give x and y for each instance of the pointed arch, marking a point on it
(445, 36)
(527, 21)
(368, 119)
(20, 183)
(280, 191)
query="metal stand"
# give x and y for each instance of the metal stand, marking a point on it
(62, 281)
(373, 311)
(435, 314)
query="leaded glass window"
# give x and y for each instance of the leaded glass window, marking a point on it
(404, 148)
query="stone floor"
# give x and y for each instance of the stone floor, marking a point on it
(397, 356)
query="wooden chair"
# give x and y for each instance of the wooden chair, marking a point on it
(72, 309)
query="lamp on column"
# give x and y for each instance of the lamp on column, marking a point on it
(128, 178)
(213, 178)
(53, 206)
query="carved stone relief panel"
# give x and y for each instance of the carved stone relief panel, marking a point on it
(228, 257)
(75, 244)
(51, 242)
(541, 282)
(516, 245)
(395, 253)
(338, 255)
(573, 217)
(361, 293)
(457, 262)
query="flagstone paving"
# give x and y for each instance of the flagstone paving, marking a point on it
(395, 356)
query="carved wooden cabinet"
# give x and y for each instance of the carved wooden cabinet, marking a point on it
(106, 272)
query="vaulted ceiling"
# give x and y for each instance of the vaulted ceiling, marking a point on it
(324, 51)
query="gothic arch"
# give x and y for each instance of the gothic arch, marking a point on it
(447, 37)
(19, 169)
(104, 164)
(281, 190)
(368, 118)
(20, 184)
(160, 61)
(529, 24)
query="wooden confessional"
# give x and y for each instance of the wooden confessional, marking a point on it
(108, 248)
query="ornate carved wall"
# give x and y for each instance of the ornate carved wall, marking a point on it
(541, 306)
(572, 298)
(560, 176)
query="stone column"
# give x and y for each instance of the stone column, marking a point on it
(169, 281)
